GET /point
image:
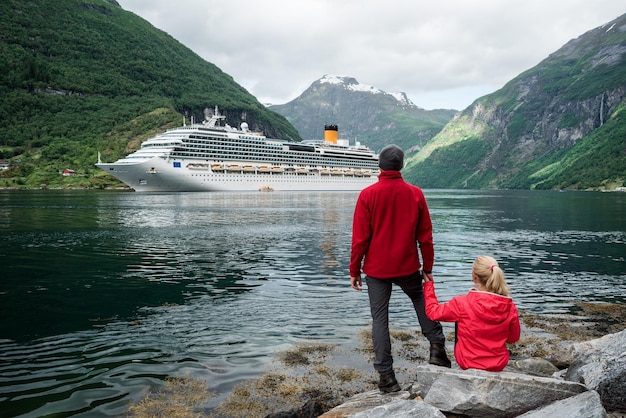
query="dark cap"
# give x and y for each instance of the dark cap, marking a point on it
(391, 158)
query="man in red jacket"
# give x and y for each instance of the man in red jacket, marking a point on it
(391, 219)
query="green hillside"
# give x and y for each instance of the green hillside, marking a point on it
(559, 125)
(596, 162)
(78, 77)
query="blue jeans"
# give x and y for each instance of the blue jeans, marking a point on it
(379, 291)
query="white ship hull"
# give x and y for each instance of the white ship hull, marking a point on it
(159, 175)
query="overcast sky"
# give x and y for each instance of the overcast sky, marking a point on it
(442, 54)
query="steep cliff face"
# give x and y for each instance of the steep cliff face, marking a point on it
(539, 119)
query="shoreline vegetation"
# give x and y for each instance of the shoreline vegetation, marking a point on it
(313, 378)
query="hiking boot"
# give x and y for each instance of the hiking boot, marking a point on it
(438, 356)
(388, 383)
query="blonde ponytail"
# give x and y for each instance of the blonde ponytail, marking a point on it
(490, 275)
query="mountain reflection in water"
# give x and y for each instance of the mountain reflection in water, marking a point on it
(104, 294)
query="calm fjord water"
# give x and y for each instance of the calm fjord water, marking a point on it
(104, 294)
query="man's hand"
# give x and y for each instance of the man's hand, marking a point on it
(428, 277)
(356, 283)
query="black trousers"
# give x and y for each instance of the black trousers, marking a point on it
(379, 291)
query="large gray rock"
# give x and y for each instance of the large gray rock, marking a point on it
(585, 405)
(402, 409)
(478, 393)
(600, 365)
(365, 402)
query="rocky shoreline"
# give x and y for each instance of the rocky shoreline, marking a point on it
(574, 363)
(531, 388)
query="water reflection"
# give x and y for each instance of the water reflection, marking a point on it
(550, 244)
(104, 294)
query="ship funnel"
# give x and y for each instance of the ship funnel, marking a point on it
(331, 133)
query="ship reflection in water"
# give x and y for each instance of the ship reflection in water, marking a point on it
(105, 294)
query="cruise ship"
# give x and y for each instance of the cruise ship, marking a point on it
(213, 156)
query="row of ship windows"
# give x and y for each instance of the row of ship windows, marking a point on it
(264, 152)
(315, 161)
(258, 146)
(332, 179)
(257, 151)
(241, 140)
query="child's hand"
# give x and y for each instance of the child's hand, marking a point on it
(428, 277)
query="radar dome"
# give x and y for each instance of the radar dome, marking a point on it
(244, 126)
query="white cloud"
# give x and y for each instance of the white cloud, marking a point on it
(441, 54)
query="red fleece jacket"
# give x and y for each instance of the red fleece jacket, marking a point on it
(485, 322)
(391, 218)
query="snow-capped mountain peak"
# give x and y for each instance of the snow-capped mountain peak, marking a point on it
(350, 83)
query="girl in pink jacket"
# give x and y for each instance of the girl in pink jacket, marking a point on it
(486, 318)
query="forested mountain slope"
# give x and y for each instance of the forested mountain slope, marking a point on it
(82, 76)
(559, 125)
(363, 113)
